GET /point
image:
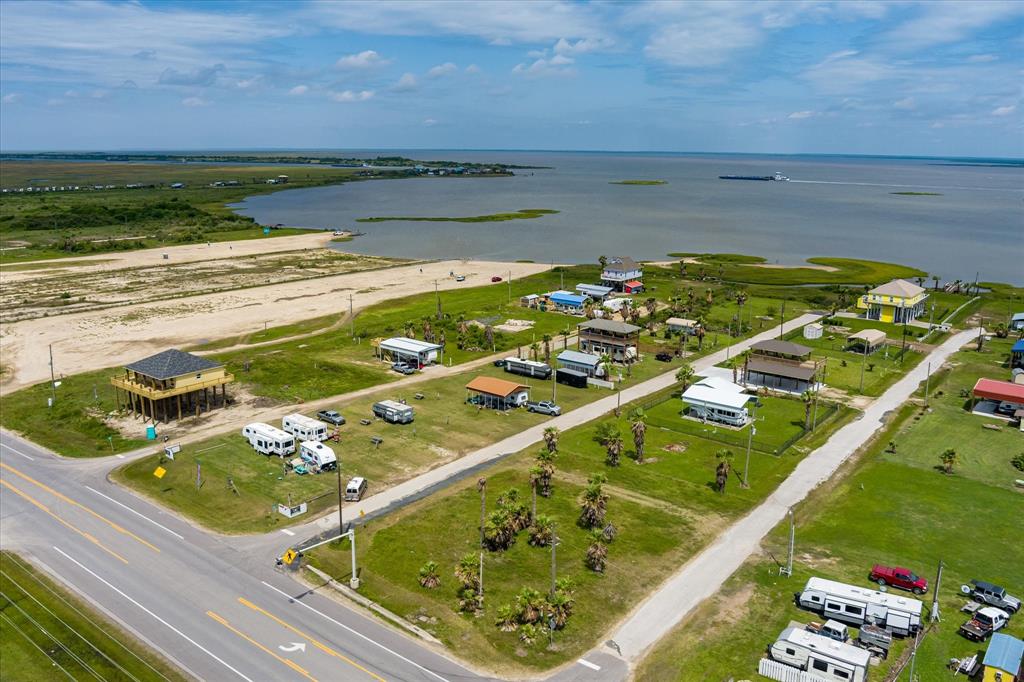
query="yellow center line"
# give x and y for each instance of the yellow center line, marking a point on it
(42, 506)
(67, 499)
(291, 664)
(300, 633)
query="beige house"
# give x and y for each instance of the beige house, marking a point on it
(171, 384)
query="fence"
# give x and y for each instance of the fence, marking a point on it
(783, 673)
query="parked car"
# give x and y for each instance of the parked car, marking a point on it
(403, 368)
(984, 622)
(903, 578)
(495, 279)
(331, 417)
(544, 407)
(663, 357)
(460, 278)
(987, 593)
(1006, 408)
(500, 363)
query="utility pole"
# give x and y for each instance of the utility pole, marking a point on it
(750, 441)
(863, 362)
(927, 381)
(788, 570)
(53, 380)
(351, 318)
(554, 384)
(554, 565)
(481, 485)
(935, 593)
(510, 287)
(782, 321)
(437, 294)
(341, 499)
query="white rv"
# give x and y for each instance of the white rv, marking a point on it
(898, 614)
(820, 656)
(269, 440)
(393, 411)
(305, 428)
(527, 368)
(318, 456)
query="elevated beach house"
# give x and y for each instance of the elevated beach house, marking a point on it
(618, 339)
(622, 273)
(782, 366)
(170, 385)
(899, 301)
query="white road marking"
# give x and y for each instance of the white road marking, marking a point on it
(32, 459)
(287, 532)
(587, 663)
(119, 456)
(179, 632)
(293, 647)
(180, 537)
(354, 632)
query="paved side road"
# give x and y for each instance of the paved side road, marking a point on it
(703, 575)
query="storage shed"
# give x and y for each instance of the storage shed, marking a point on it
(587, 363)
(813, 331)
(412, 351)
(1003, 659)
(496, 393)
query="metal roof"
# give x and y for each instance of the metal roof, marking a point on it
(680, 322)
(717, 391)
(596, 289)
(494, 386)
(1016, 316)
(868, 336)
(171, 363)
(610, 326)
(1005, 652)
(781, 347)
(578, 358)
(999, 390)
(782, 369)
(400, 343)
(1018, 347)
(567, 298)
(898, 287)
(841, 651)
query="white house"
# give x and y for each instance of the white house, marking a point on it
(587, 363)
(619, 270)
(717, 399)
(682, 325)
(412, 351)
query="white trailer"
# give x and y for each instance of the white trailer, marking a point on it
(269, 440)
(305, 428)
(318, 456)
(527, 368)
(898, 614)
(393, 411)
(820, 656)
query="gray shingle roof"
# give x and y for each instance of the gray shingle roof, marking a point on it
(621, 264)
(171, 363)
(612, 326)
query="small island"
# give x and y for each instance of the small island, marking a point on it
(522, 214)
(638, 182)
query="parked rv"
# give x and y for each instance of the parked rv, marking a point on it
(859, 605)
(355, 489)
(820, 656)
(317, 456)
(527, 368)
(992, 595)
(304, 428)
(902, 578)
(393, 411)
(983, 623)
(269, 440)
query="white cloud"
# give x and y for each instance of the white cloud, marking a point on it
(561, 60)
(581, 46)
(407, 83)
(905, 104)
(299, 90)
(250, 83)
(11, 98)
(1004, 111)
(367, 59)
(442, 70)
(473, 68)
(847, 71)
(799, 115)
(558, 65)
(351, 96)
(940, 23)
(194, 102)
(981, 58)
(429, 122)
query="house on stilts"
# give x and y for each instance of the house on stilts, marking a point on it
(170, 385)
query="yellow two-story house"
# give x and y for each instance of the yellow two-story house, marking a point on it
(171, 384)
(898, 301)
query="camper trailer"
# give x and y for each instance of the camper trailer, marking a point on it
(527, 368)
(269, 440)
(393, 411)
(898, 614)
(571, 377)
(820, 656)
(305, 428)
(317, 456)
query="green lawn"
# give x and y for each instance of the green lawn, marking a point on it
(665, 511)
(894, 508)
(47, 633)
(741, 268)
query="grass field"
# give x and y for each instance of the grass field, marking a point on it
(892, 508)
(664, 510)
(743, 268)
(46, 633)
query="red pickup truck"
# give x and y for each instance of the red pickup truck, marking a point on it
(903, 578)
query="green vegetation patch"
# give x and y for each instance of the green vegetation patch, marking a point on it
(523, 214)
(45, 629)
(638, 182)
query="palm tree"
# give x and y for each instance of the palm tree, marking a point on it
(684, 375)
(534, 349)
(935, 279)
(724, 457)
(529, 605)
(469, 599)
(652, 306)
(462, 325)
(808, 398)
(500, 530)
(546, 465)
(519, 515)
(428, 331)
(700, 332)
(558, 609)
(529, 634)
(603, 260)
(551, 435)
(597, 552)
(467, 572)
(949, 460)
(709, 297)
(638, 425)
(542, 531)
(428, 575)
(508, 618)
(547, 347)
(593, 502)
(606, 362)
(682, 269)
(489, 336)
(566, 331)
(614, 449)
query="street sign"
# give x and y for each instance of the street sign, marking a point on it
(289, 557)
(171, 450)
(160, 471)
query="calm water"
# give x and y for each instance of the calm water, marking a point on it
(834, 206)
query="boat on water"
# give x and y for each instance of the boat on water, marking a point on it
(778, 177)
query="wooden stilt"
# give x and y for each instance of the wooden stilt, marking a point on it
(179, 407)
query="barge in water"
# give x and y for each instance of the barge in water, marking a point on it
(778, 177)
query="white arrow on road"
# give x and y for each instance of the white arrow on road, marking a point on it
(294, 646)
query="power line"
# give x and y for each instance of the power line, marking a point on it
(41, 650)
(56, 641)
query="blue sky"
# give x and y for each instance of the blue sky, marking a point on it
(940, 78)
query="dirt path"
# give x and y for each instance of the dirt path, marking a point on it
(105, 338)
